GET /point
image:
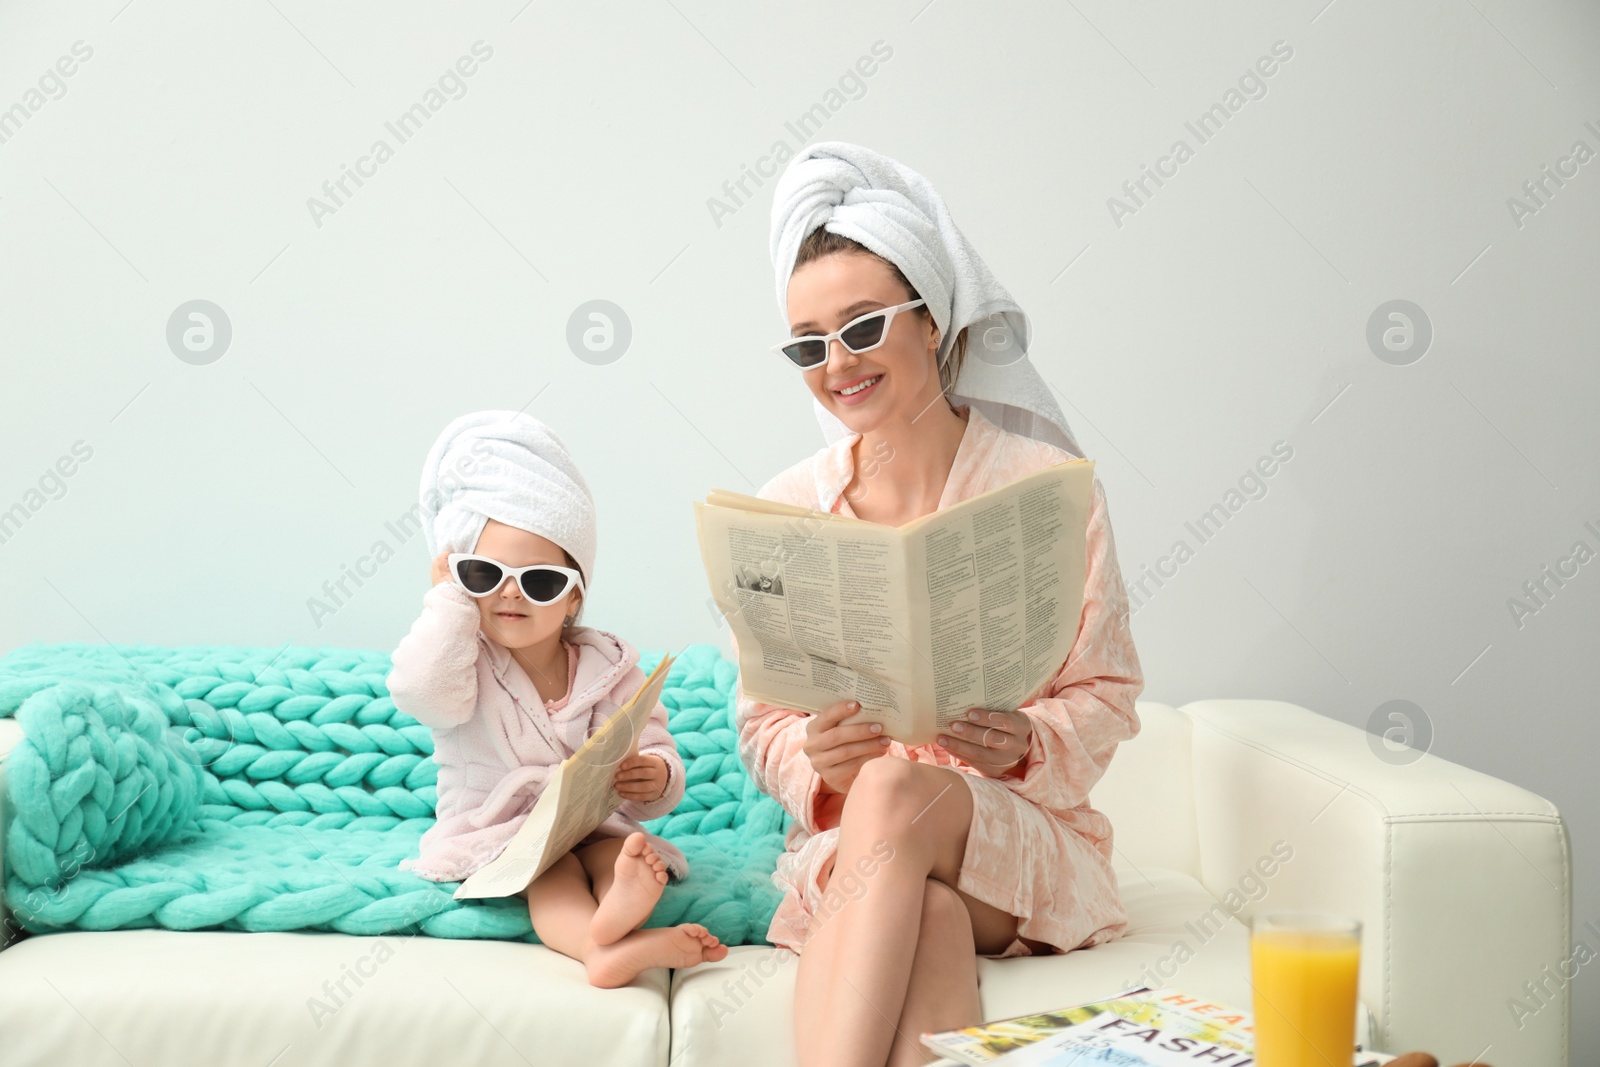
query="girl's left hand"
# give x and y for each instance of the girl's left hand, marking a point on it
(642, 778)
(992, 741)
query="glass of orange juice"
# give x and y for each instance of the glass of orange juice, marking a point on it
(1303, 967)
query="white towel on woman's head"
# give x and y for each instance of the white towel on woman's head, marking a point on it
(510, 467)
(895, 212)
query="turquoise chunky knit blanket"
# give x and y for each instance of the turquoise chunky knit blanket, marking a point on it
(220, 788)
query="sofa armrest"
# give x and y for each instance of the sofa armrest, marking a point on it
(10, 738)
(1461, 881)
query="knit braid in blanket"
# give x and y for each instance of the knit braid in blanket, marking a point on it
(214, 787)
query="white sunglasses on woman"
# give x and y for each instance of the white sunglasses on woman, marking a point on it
(861, 334)
(541, 583)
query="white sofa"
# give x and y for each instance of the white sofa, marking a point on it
(1461, 880)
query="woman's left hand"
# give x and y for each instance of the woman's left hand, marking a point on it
(642, 778)
(992, 741)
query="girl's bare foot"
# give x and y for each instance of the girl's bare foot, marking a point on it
(683, 945)
(636, 886)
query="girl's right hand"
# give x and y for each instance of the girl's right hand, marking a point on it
(441, 567)
(837, 751)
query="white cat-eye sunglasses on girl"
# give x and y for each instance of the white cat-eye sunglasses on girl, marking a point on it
(541, 583)
(860, 334)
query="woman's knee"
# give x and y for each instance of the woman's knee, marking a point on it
(897, 792)
(944, 913)
(942, 905)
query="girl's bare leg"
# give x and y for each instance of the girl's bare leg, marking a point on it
(628, 877)
(855, 968)
(561, 906)
(599, 861)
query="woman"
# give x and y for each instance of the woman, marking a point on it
(982, 842)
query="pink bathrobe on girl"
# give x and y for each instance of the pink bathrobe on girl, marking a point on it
(1036, 849)
(496, 742)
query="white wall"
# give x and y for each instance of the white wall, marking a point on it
(1226, 314)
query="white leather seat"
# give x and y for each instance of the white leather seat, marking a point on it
(1461, 880)
(122, 997)
(740, 1010)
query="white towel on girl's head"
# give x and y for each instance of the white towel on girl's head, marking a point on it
(510, 467)
(894, 211)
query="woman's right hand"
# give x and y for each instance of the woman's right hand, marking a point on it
(838, 751)
(441, 567)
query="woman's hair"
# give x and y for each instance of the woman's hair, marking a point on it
(822, 242)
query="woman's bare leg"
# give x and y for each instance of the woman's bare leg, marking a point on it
(943, 992)
(855, 967)
(561, 906)
(993, 930)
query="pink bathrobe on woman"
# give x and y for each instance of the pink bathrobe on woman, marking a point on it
(1036, 849)
(496, 742)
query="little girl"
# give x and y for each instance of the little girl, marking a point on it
(511, 685)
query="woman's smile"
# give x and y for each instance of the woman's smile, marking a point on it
(858, 389)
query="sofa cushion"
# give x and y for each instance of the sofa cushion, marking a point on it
(221, 998)
(1148, 793)
(730, 1012)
